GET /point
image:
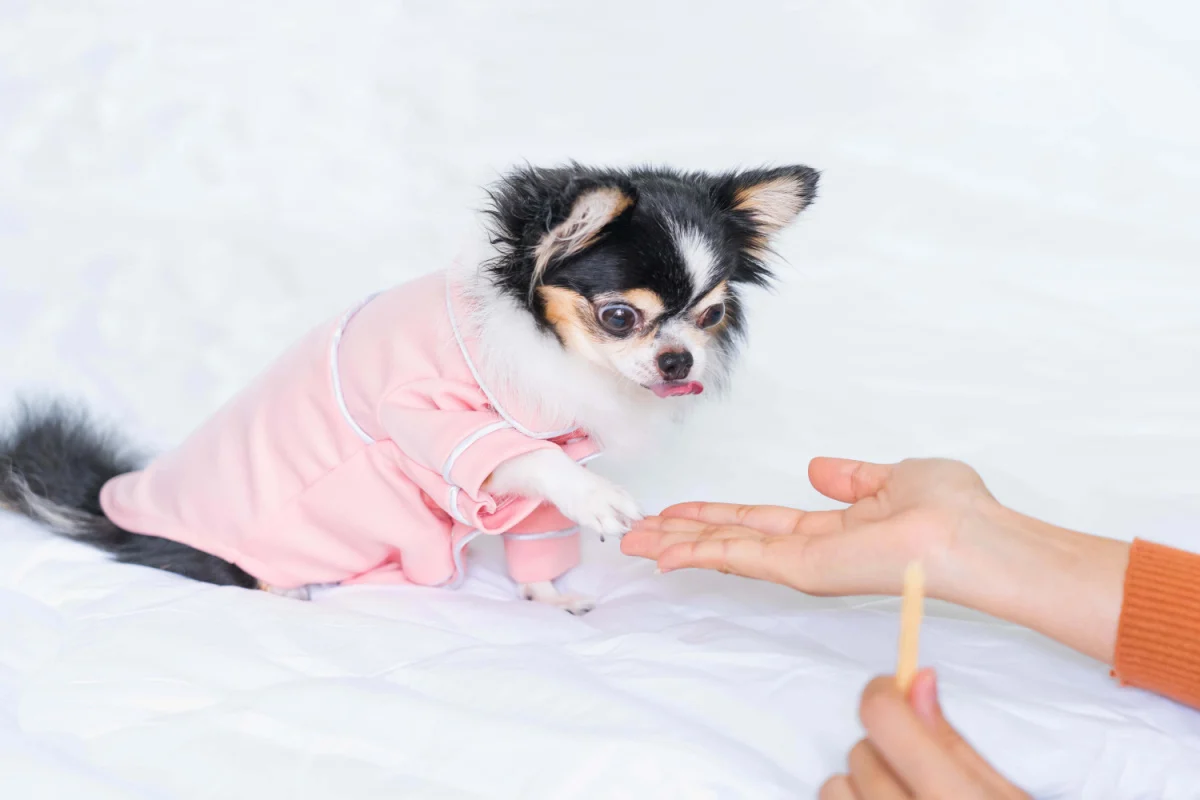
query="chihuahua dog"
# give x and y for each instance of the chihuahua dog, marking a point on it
(460, 404)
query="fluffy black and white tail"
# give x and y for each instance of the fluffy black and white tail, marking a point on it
(53, 461)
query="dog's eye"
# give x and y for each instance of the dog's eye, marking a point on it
(618, 318)
(712, 316)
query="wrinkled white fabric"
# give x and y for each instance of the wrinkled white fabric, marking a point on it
(1001, 267)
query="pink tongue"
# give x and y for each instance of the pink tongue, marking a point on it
(676, 389)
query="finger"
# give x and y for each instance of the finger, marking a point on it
(923, 695)
(845, 480)
(736, 556)
(649, 538)
(773, 520)
(871, 777)
(802, 523)
(701, 547)
(642, 542)
(665, 524)
(838, 788)
(909, 748)
(768, 519)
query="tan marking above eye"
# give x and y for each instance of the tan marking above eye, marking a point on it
(646, 300)
(717, 295)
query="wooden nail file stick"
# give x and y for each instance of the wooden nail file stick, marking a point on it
(910, 625)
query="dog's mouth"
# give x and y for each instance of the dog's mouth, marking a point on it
(676, 388)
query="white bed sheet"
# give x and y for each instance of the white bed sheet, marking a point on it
(1001, 268)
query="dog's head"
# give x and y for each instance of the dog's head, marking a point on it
(638, 271)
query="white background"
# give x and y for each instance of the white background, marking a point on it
(1001, 267)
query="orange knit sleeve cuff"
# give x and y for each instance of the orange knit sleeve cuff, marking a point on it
(1158, 636)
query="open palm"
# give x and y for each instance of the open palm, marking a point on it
(897, 513)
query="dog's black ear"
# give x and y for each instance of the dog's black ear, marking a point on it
(593, 207)
(768, 199)
(542, 216)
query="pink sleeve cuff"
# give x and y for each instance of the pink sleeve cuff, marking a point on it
(472, 462)
(531, 559)
(542, 547)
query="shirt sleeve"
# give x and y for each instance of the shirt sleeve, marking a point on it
(450, 453)
(1158, 636)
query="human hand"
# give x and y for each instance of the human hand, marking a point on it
(975, 552)
(911, 751)
(917, 509)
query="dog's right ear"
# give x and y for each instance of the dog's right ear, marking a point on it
(593, 209)
(542, 216)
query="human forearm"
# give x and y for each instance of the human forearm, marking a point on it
(1062, 583)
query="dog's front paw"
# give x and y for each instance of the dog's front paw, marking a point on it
(583, 497)
(546, 593)
(601, 506)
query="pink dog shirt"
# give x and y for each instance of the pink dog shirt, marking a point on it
(360, 456)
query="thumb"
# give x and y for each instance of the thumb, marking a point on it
(923, 697)
(845, 480)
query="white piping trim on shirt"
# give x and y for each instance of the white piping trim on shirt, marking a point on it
(335, 373)
(460, 574)
(533, 537)
(453, 502)
(458, 450)
(462, 346)
(471, 439)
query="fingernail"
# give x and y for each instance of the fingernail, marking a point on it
(923, 696)
(660, 571)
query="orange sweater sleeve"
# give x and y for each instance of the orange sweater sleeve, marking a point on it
(1158, 636)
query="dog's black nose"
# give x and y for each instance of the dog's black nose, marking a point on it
(675, 365)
